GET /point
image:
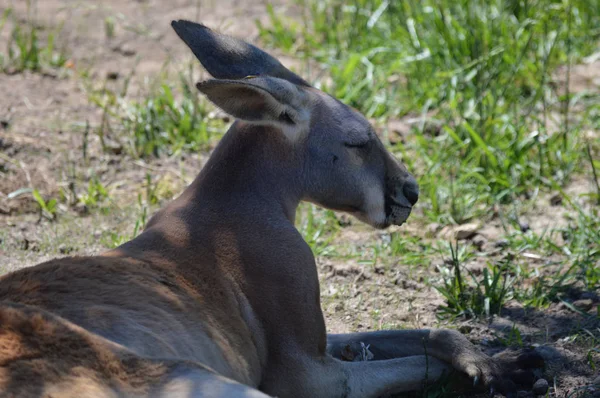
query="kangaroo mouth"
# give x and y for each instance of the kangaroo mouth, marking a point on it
(396, 212)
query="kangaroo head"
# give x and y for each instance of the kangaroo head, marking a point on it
(345, 165)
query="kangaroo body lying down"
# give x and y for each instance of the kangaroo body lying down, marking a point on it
(219, 296)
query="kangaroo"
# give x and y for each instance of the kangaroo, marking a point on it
(219, 295)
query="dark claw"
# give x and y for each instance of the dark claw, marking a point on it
(492, 392)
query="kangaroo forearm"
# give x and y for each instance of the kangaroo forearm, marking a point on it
(387, 344)
(378, 378)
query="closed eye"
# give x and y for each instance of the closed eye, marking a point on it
(358, 145)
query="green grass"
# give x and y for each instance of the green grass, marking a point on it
(96, 195)
(568, 262)
(470, 296)
(482, 71)
(47, 207)
(169, 119)
(28, 48)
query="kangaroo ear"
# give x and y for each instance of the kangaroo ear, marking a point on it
(225, 57)
(262, 100)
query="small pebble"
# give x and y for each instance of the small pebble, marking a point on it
(466, 231)
(583, 304)
(502, 243)
(540, 387)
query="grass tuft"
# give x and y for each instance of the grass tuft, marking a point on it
(26, 50)
(159, 123)
(485, 296)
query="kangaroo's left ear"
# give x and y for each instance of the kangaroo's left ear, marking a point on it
(261, 100)
(225, 57)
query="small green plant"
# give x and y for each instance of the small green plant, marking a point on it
(481, 297)
(581, 238)
(594, 164)
(592, 357)
(160, 123)
(576, 258)
(109, 27)
(48, 208)
(25, 50)
(95, 195)
(151, 188)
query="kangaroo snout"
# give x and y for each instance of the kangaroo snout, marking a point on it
(402, 194)
(410, 190)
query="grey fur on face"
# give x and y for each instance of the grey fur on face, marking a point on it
(344, 164)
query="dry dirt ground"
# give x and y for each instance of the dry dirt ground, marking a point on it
(44, 119)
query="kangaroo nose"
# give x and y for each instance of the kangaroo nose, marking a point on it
(411, 191)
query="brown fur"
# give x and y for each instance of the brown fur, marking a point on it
(96, 307)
